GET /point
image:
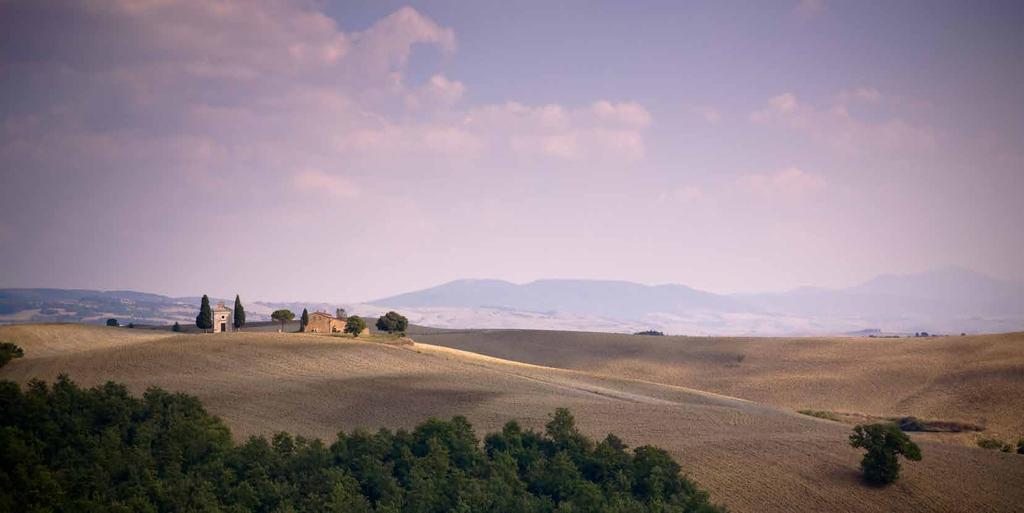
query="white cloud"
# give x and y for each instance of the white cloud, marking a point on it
(317, 181)
(275, 95)
(839, 129)
(789, 182)
(438, 92)
(626, 113)
(605, 130)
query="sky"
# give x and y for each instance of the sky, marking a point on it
(346, 151)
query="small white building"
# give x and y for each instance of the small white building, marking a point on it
(222, 319)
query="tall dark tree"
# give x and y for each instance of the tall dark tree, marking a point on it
(304, 320)
(340, 314)
(239, 313)
(282, 316)
(204, 320)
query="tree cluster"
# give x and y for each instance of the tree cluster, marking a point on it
(68, 449)
(392, 322)
(651, 333)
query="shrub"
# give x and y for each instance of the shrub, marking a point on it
(112, 323)
(164, 452)
(884, 444)
(935, 426)
(821, 414)
(9, 351)
(176, 328)
(1020, 446)
(994, 444)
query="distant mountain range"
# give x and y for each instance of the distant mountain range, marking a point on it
(951, 300)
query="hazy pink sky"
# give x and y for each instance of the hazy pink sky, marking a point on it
(319, 151)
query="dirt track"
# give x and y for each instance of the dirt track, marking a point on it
(751, 457)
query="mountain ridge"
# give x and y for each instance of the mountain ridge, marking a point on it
(942, 300)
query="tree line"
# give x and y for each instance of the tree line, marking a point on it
(64, 448)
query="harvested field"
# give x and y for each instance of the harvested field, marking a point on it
(752, 457)
(974, 380)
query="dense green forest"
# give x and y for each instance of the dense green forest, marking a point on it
(64, 448)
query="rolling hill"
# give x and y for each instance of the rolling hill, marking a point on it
(973, 379)
(752, 457)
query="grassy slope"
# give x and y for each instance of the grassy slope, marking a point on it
(977, 379)
(751, 457)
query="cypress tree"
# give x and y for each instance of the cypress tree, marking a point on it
(304, 320)
(204, 320)
(239, 313)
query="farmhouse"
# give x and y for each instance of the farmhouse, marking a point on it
(322, 322)
(222, 320)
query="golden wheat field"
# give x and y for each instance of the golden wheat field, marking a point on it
(972, 379)
(752, 457)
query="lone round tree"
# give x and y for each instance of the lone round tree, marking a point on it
(239, 313)
(204, 320)
(355, 325)
(392, 322)
(282, 316)
(884, 443)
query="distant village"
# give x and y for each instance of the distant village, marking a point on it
(221, 319)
